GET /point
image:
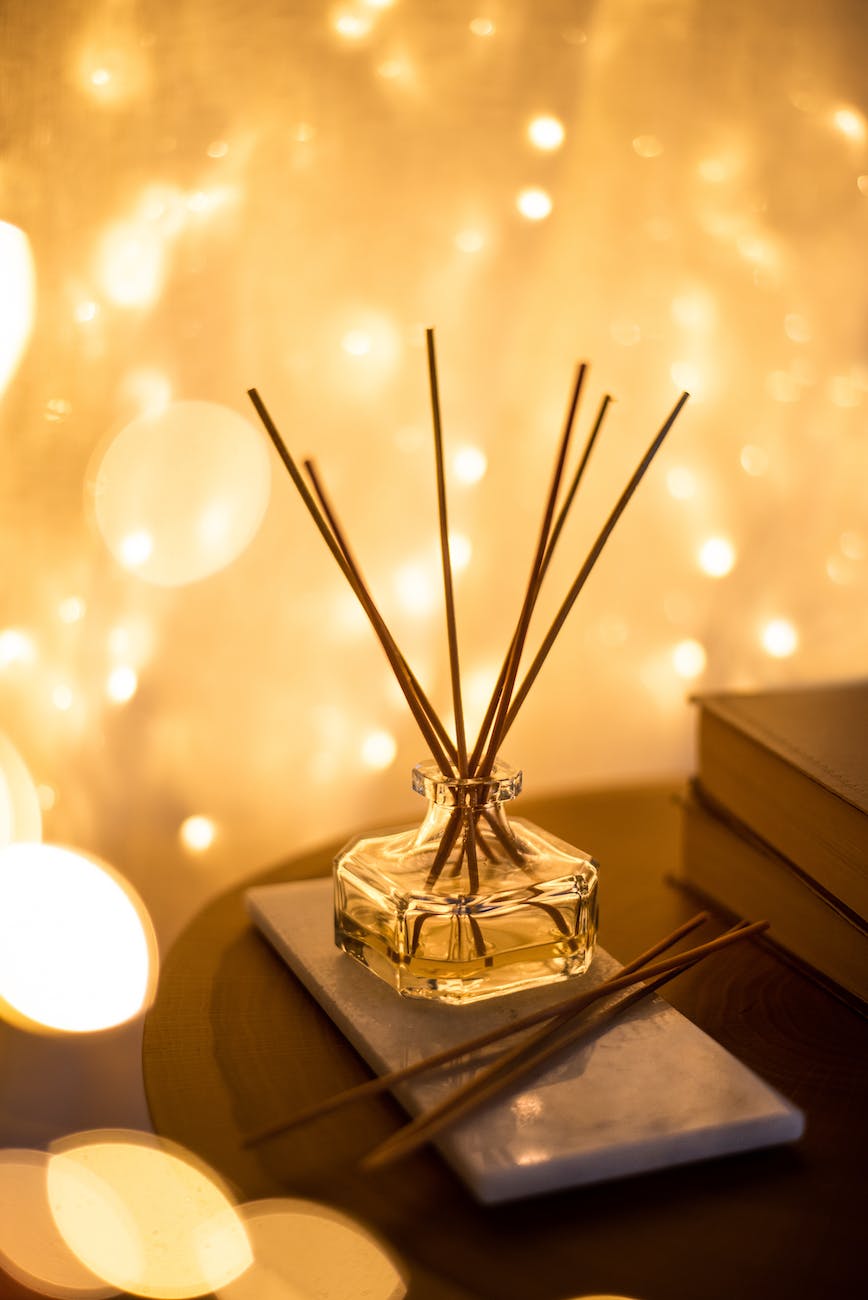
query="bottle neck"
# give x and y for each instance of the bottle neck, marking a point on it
(477, 793)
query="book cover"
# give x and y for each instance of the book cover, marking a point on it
(793, 766)
(729, 866)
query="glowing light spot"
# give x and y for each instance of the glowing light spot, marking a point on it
(135, 549)
(482, 26)
(57, 409)
(841, 571)
(85, 311)
(853, 545)
(687, 377)
(546, 133)
(460, 551)
(180, 493)
(797, 328)
(31, 1247)
(415, 589)
(306, 1250)
(716, 557)
(130, 264)
(16, 647)
(843, 392)
(148, 391)
(141, 1213)
(100, 77)
(470, 241)
(625, 332)
(197, 833)
(20, 811)
(779, 638)
(379, 750)
(77, 949)
(379, 4)
(719, 169)
(122, 684)
(469, 464)
(612, 632)
(62, 697)
(352, 24)
(373, 343)
(758, 250)
(647, 146)
(47, 796)
(862, 184)
(356, 343)
(304, 133)
(17, 301)
(689, 658)
(849, 122)
(217, 149)
(695, 311)
(781, 386)
(534, 204)
(754, 460)
(71, 610)
(681, 483)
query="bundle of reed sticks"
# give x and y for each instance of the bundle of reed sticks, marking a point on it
(452, 755)
(570, 1022)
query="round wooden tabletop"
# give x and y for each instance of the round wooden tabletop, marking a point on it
(234, 1042)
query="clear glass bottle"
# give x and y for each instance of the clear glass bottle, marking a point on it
(470, 904)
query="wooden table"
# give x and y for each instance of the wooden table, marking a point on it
(234, 1042)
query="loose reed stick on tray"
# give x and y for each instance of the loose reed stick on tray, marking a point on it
(527, 1057)
(382, 1083)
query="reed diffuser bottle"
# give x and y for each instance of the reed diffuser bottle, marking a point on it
(470, 904)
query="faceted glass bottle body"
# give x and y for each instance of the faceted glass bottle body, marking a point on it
(470, 904)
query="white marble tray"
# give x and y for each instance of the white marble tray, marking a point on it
(651, 1091)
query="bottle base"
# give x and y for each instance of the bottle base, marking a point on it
(515, 932)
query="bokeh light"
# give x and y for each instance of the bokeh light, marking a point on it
(779, 638)
(179, 494)
(305, 1250)
(142, 1214)
(32, 1251)
(197, 833)
(546, 133)
(379, 749)
(77, 949)
(20, 812)
(17, 300)
(469, 464)
(689, 658)
(534, 203)
(716, 556)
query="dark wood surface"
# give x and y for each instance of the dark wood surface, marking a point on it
(234, 1042)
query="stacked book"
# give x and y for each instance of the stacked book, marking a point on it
(776, 822)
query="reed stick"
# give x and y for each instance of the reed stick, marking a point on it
(383, 634)
(449, 1055)
(584, 573)
(555, 534)
(514, 653)
(448, 587)
(525, 1058)
(328, 510)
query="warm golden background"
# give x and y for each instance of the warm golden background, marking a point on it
(198, 198)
